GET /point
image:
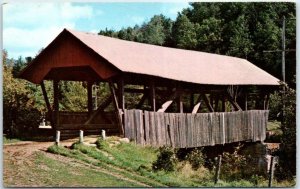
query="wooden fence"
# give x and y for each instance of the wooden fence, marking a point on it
(183, 130)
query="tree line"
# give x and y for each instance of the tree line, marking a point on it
(237, 29)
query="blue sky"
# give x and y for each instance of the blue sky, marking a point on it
(28, 27)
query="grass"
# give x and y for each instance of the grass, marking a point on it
(273, 126)
(135, 162)
(42, 171)
(7, 140)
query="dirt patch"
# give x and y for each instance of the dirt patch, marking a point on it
(19, 156)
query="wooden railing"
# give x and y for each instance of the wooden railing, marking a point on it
(78, 120)
(183, 130)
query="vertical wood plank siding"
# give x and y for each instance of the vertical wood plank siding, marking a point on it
(184, 130)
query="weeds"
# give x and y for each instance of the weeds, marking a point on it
(166, 160)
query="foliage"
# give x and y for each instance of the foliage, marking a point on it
(196, 158)
(19, 111)
(275, 106)
(8, 140)
(166, 160)
(134, 162)
(286, 168)
(233, 165)
(73, 96)
(185, 33)
(101, 144)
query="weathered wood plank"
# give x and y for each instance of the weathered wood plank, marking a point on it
(193, 130)
(152, 127)
(147, 128)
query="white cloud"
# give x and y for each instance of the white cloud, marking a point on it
(29, 27)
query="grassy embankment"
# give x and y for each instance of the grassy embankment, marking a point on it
(135, 162)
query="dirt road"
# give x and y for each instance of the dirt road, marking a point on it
(21, 170)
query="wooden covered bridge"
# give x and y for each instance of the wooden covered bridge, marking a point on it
(187, 98)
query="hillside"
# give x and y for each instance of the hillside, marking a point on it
(111, 164)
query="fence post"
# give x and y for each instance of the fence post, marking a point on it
(57, 139)
(218, 168)
(81, 136)
(271, 172)
(103, 134)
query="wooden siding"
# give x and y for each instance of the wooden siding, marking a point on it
(66, 51)
(184, 130)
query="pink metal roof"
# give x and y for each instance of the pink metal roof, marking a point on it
(177, 64)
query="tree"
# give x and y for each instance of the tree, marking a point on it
(157, 31)
(185, 33)
(240, 43)
(19, 111)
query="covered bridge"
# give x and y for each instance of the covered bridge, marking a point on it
(188, 98)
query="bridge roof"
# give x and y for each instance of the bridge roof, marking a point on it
(164, 62)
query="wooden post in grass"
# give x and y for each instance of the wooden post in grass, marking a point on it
(218, 169)
(271, 172)
(57, 139)
(103, 134)
(81, 136)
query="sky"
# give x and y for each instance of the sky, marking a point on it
(28, 27)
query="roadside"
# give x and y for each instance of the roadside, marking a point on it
(27, 164)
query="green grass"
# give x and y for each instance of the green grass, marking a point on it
(60, 174)
(7, 140)
(273, 125)
(135, 162)
(43, 171)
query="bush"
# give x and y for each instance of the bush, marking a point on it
(101, 144)
(20, 115)
(233, 165)
(166, 160)
(196, 158)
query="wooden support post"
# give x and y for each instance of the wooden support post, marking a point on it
(144, 97)
(218, 168)
(217, 103)
(90, 97)
(47, 102)
(267, 101)
(209, 106)
(81, 136)
(56, 91)
(57, 138)
(55, 104)
(121, 94)
(234, 103)
(180, 103)
(103, 135)
(223, 103)
(197, 105)
(211, 99)
(115, 101)
(271, 172)
(101, 108)
(152, 96)
(246, 102)
(46, 96)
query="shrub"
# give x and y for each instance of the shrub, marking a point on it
(166, 160)
(196, 158)
(101, 144)
(233, 165)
